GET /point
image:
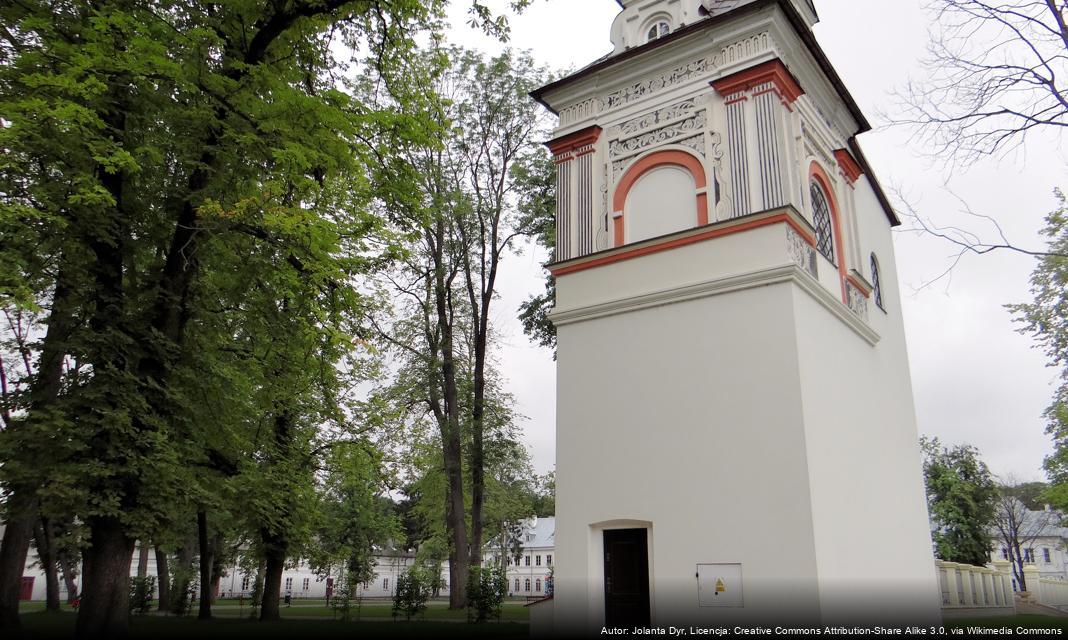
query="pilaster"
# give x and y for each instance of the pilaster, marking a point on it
(575, 224)
(759, 125)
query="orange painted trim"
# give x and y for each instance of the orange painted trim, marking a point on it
(816, 172)
(859, 286)
(647, 164)
(773, 71)
(672, 243)
(848, 164)
(572, 141)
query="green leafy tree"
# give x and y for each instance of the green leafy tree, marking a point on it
(1046, 319)
(962, 500)
(465, 222)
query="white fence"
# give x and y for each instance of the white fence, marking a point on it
(1045, 591)
(975, 591)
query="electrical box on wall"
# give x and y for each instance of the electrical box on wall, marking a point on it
(719, 585)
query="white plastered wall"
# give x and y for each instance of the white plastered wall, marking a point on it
(688, 417)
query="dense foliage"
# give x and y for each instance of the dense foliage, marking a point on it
(962, 500)
(194, 198)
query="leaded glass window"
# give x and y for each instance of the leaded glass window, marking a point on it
(877, 289)
(821, 219)
(658, 30)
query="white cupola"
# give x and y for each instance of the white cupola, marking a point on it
(643, 21)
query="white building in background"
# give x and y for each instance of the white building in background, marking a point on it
(735, 422)
(529, 576)
(1043, 543)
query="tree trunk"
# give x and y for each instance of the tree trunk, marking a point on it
(216, 565)
(163, 580)
(206, 553)
(449, 424)
(142, 559)
(183, 575)
(105, 608)
(13, 550)
(275, 560)
(257, 585)
(21, 502)
(46, 557)
(70, 576)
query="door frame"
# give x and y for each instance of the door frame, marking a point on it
(595, 567)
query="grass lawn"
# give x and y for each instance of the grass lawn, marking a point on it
(511, 612)
(61, 625)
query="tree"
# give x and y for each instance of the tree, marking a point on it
(465, 223)
(999, 72)
(188, 128)
(538, 206)
(962, 499)
(1018, 526)
(1046, 319)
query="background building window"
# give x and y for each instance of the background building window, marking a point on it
(526, 585)
(658, 30)
(527, 562)
(537, 560)
(876, 287)
(1029, 555)
(517, 584)
(549, 560)
(307, 583)
(821, 219)
(244, 583)
(289, 584)
(385, 583)
(1045, 556)
(537, 585)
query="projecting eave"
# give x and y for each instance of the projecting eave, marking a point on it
(796, 21)
(546, 94)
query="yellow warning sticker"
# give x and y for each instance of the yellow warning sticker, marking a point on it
(720, 587)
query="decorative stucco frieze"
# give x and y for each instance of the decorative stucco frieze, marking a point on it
(650, 86)
(734, 53)
(697, 143)
(660, 116)
(856, 301)
(680, 129)
(802, 253)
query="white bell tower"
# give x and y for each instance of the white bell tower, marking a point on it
(736, 438)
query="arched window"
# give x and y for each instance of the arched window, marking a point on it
(537, 583)
(821, 219)
(517, 584)
(658, 30)
(876, 287)
(526, 585)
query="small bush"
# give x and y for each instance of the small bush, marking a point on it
(141, 592)
(414, 588)
(486, 589)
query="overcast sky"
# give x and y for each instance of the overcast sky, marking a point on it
(975, 380)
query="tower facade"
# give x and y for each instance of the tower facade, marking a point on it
(736, 438)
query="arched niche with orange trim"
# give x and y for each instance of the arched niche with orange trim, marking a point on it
(817, 173)
(630, 184)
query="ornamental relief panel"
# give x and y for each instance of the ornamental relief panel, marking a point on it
(801, 252)
(643, 122)
(856, 301)
(681, 129)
